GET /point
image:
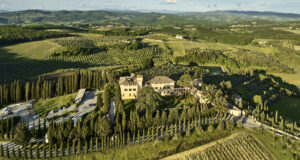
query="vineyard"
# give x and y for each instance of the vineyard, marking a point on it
(241, 147)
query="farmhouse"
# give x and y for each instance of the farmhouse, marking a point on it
(162, 84)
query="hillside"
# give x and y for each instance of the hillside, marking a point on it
(138, 18)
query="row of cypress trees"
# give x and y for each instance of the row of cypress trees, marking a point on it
(46, 88)
(77, 147)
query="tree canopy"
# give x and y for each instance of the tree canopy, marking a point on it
(148, 99)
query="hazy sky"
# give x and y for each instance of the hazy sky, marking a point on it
(291, 6)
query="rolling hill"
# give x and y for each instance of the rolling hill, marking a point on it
(138, 18)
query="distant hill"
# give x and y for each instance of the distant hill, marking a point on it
(3, 11)
(138, 18)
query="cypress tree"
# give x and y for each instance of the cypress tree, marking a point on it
(276, 117)
(37, 152)
(44, 150)
(7, 128)
(123, 139)
(25, 152)
(171, 131)
(133, 138)
(282, 124)
(148, 135)
(167, 132)
(18, 92)
(33, 95)
(162, 132)
(163, 118)
(55, 151)
(50, 150)
(91, 145)
(74, 147)
(18, 153)
(30, 152)
(128, 138)
(143, 140)
(118, 100)
(106, 99)
(152, 134)
(176, 132)
(138, 137)
(27, 91)
(97, 145)
(189, 128)
(61, 149)
(123, 120)
(179, 126)
(157, 118)
(79, 147)
(7, 152)
(1, 130)
(184, 126)
(86, 148)
(99, 103)
(12, 129)
(157, 132)
(102, 143)
(13, 153)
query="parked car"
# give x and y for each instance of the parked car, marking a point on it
(10, 113)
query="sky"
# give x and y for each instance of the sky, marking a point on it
(286, 6)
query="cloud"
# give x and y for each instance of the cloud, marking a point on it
(171, 1)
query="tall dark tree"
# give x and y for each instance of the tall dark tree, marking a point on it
(22, 134)
(106, 99)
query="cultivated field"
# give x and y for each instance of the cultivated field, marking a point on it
(237, 146)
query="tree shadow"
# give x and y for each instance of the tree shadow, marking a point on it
(13, 67)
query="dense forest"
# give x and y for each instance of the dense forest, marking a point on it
(121, 32)
(17, 34)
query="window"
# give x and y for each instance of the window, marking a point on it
(168, 87)
(129, 95)
(125, 89)
(156, 87)
(123, 95)
(164, 87)
(130, 89)
(134, 89)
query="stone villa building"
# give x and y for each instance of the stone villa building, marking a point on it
(132, 84)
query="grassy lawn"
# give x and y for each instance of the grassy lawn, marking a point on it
(44, 106)
(288, 107)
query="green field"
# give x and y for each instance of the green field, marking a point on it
(32, 50)
(42, 107)
(289, 107)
